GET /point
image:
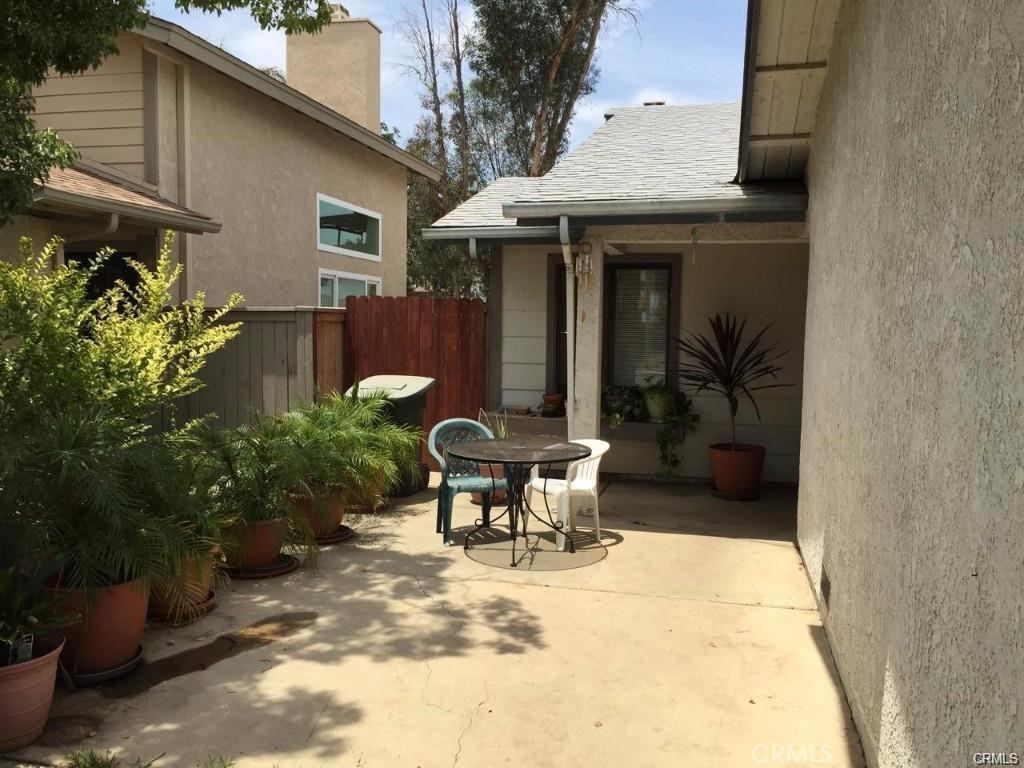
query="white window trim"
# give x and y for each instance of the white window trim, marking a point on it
(346, 251)
(348, 275)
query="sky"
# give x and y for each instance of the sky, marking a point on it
(678, 51)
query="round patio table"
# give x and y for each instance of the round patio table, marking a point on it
(519, 455)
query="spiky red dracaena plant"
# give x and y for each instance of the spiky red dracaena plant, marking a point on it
(727, 364)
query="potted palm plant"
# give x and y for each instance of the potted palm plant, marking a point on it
(252, 471)
(374, 452)
(30, 644)
(734, 367)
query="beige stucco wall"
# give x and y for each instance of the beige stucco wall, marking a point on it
(912, 474)
(339, 66)
(39, 230)
(256, 167)
(765, 282)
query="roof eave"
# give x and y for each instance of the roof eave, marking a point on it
(195, 47)
(179, 222)
(453, 234)
(616, 208)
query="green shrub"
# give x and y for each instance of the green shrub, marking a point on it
(82, 381)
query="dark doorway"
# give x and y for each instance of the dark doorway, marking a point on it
(115, 268)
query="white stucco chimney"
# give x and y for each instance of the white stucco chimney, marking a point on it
(339, 67)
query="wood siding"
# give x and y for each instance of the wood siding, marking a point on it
(267, 368)
(101, 111)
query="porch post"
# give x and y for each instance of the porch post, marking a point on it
(586, 405)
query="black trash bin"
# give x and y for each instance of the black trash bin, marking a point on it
(408, 398)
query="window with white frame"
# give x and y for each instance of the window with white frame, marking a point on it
(336, 286)
(347, 229)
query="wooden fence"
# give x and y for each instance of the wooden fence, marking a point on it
(267, 368)
(282, 357)
(441, 338)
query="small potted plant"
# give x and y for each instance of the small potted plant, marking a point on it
(553, 404)
(30, 647)
(730, 365)
(660, 399)
(501, 430)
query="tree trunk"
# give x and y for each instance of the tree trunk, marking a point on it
(540, 134)
(434, 94)
(461, 116)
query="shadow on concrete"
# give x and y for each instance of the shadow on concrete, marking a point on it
(851, 750)
(364, 599)
(662, 507)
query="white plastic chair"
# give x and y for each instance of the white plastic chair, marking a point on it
(578, 492)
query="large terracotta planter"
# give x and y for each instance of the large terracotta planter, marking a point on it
(192, 589)
(324, 517)
(497, 472)
(257, 545)
(737, 473)
(26, 692)
(110, 629)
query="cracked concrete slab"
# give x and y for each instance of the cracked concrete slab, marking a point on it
(694, 642)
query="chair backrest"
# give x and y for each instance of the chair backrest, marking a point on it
(451, 431)
(584, 471)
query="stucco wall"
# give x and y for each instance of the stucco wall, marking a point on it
(766, 282)
(39, 230)
(256, 167)
(912, 473)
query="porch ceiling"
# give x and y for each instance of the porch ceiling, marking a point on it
(788, 44)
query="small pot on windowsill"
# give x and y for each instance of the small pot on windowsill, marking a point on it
(554, 404)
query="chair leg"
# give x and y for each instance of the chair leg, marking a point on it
(564, 517)
(597, 518)
(449, 501)
(440, 507)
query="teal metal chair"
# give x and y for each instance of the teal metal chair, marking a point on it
(458, 475)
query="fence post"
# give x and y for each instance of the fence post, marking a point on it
(304, 357)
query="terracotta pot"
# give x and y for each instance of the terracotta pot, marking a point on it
(257, 545)
(26, 692)
(110, 629)
(554, 404)
(497, 471)
(324, 518)
(192, 588)
(737, 473)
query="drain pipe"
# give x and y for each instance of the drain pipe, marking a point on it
(570, 322)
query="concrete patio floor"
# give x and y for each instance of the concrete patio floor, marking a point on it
(694, 642)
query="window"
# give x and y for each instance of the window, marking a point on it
(335, 287)
(347, 229)
(637, 334)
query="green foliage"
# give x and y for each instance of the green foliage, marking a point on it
(70, 37)
(89, 759)
(532, 61)
(728, 364)
(679, 421)
(83, 478)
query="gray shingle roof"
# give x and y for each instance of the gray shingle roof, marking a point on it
(484, 208)
(650, 153)
(657, 153)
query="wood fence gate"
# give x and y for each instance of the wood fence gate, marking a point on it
(441, 338)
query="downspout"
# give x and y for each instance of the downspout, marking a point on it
(570, 322)
(92, 233)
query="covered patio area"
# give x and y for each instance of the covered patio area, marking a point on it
(694, 642)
